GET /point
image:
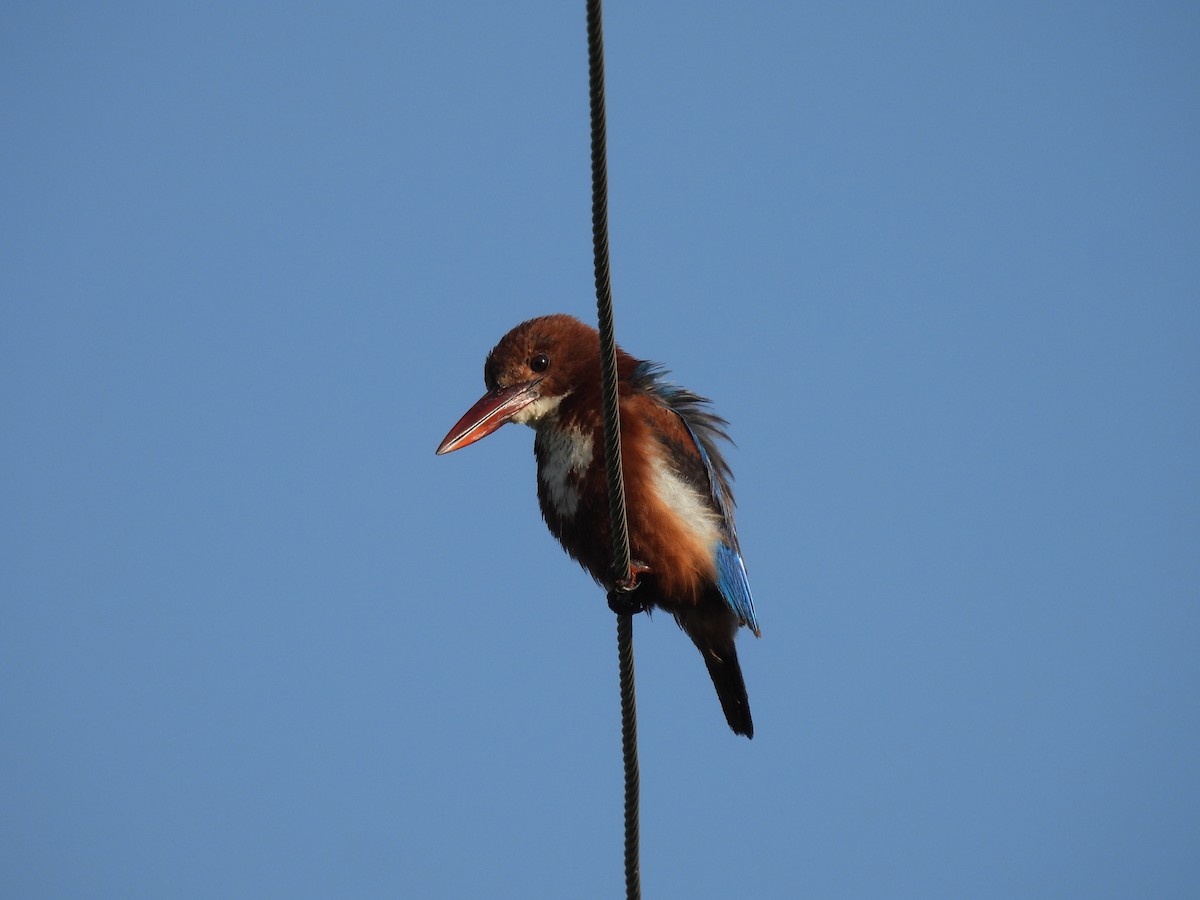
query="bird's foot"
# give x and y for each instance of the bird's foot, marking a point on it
(620, 598)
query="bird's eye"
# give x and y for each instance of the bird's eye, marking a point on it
(540, 362)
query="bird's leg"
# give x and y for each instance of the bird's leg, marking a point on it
(620, 598)
(636, 568)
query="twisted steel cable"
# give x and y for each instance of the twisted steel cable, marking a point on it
(618, 600)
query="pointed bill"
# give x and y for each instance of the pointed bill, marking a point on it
(491, 411)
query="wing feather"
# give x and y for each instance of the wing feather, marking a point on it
(713, 475)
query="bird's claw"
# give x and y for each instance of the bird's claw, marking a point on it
(636, 568)
(620, 599)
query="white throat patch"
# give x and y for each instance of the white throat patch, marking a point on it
(532, 414)
(563, 453)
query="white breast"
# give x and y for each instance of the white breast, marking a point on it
(563, 453)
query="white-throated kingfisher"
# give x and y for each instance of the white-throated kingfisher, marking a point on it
(545, 373)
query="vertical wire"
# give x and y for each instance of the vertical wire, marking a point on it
(612, 443)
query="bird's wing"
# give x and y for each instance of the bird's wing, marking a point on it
(706, 468)
(731, 568)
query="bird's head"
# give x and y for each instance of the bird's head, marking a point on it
(528, 374)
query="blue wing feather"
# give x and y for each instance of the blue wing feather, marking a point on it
(735, 586)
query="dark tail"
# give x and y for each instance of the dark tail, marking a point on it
(726, 676)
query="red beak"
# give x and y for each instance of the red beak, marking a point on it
(493, 410)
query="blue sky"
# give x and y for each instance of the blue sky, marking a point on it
(938, 264)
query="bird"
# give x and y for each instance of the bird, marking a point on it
(686, 561)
